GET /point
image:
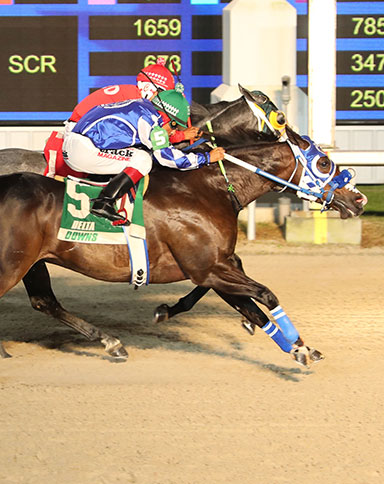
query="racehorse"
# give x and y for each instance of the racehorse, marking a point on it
(244, 126)
(191, 234)
(233, 122)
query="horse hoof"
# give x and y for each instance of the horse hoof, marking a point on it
(3, 353)
(114, 348)
(301, 355)
(118, 352)
(250, 327)
(315, 355)
(161, 313)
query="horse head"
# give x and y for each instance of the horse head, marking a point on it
(318, 172)
(321, 179)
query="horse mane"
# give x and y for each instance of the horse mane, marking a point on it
(294, 137)
(241, 132)
(206, 112)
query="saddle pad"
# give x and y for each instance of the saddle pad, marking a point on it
(78, 224)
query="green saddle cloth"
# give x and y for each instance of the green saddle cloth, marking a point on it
(79, 225)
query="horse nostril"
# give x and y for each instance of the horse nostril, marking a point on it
(362, 200)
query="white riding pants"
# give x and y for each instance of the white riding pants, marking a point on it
(83, 155)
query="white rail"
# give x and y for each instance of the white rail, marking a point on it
(357, 158)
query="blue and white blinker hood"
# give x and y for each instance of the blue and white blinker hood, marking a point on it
(311, 176)
(313, 181)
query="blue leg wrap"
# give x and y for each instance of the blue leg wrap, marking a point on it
(273, 332)
(290, 332)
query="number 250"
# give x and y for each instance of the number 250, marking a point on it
(368, 98)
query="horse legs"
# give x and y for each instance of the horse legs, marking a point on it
(38, 285)
(241, 292)
(264, 296)
(3, 353)
(186, 303)
(165, 312)
(302, 354)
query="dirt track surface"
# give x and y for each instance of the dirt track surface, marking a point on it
(199, 400)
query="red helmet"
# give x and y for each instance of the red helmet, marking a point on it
(158, 74)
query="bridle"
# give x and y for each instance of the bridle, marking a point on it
(310, 187)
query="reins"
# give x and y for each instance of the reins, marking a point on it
(237, 207)
(318, 192)
(338, 181)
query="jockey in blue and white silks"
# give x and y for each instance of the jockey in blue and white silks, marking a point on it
(124, 138)
(113, 130)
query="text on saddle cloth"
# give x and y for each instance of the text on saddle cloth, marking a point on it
(79, 225)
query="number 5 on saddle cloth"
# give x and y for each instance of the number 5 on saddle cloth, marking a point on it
(79, 225)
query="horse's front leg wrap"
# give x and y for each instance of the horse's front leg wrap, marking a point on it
(278, 337)
(300, 354)
(290, 332)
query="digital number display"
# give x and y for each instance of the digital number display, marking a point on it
(359, 60)
(55, 52)
(362, 62)
(134, 27)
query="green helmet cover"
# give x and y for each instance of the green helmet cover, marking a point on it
(174, 104)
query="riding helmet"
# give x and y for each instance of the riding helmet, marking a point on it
(174, 104)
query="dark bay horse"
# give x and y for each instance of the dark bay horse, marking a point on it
(191, 234)
(233, 122)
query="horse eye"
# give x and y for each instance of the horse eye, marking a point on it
(281, 118)
(324, 164)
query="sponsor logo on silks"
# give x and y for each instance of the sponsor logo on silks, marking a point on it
(82, 225)
(122, 154)
(113, 157)
(81, 236)
(118, 151)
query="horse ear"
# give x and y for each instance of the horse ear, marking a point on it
(247, 94)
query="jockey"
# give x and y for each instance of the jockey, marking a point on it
(151, 79)
(124, 138)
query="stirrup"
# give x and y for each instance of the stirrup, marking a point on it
(102, 200)
(107, 211)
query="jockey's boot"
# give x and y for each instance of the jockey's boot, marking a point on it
(103, 205)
